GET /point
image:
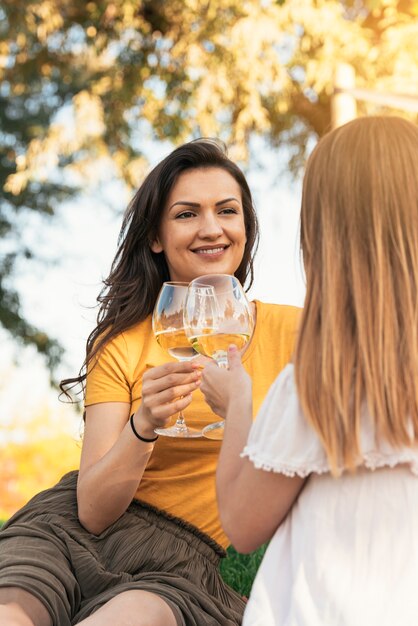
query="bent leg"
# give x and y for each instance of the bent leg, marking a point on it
(36, 573)
(20, 608)
(133, 608)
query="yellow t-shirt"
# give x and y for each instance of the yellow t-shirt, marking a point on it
(180, 475)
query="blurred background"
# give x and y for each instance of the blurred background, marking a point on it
(93, 94)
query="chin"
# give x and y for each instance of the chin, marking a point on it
(216, 270)
(217, 267)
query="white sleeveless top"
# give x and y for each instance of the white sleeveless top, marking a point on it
(347, 552)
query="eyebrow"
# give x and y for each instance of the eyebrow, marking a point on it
(197, 205)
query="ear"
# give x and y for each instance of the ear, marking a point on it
(156, 246)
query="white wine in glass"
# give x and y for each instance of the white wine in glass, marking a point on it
(215, 344)
(168, 327)
(217, 314)
(176, 344)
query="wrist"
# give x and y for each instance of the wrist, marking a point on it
(240, 410)
(145, 434)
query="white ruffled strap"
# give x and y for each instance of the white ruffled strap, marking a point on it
(281, 440)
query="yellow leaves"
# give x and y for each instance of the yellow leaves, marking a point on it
(39, 436)
(44, 18)
(251, 116)
(152, 105)
(22, 57)
(30, 466)
(234, 70)
(102, 86)
(109, 14)
(91, 31)
(89, 115)
(222, 67)
(37, 164)
(16, 183)
(4, 60)
(21, 40)
(46, 69)
(132, 171)
(128, 10)
(396, 59)
(84, 129)
(18, 89)
(282, 106)
(124, 15)
(145, 72)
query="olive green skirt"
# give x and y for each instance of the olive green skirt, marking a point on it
(45, 551)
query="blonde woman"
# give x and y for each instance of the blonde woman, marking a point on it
(329, 470)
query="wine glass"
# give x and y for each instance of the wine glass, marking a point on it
(217, 314)
(168, 327)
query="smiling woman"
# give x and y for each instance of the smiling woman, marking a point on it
(134, 536)
(202, 228)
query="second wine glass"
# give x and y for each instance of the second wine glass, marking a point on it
(168, 327)
(216, 315)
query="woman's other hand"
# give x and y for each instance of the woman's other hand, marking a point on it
(220, 386)
(166, 390)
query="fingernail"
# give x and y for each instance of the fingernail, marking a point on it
(233, 348)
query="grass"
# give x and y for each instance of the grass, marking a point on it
(238, 570)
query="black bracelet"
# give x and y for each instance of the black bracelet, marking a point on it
(131, 419)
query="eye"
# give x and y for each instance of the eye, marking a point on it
(228, 211)
(184, 215)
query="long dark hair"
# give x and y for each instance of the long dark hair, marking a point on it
(136, 269)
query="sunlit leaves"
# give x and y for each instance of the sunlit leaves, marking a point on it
(220, 68)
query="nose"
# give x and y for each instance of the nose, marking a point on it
(210, 227)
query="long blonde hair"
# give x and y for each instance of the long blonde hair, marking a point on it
(358, 340)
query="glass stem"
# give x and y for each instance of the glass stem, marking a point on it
(181, 422)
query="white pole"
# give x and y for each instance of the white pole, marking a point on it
(401, 101)
(343, 103)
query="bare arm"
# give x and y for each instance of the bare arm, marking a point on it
(113, 460)
(252, 502)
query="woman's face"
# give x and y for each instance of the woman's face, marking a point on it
(202, 229)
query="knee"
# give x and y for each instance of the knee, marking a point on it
(141, 608)
(157, 615)
(13, 615)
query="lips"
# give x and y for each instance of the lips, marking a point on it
(211, 250)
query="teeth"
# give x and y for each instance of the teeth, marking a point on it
(211, 251)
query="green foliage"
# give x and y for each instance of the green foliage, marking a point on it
(170, 70)
(239, 570)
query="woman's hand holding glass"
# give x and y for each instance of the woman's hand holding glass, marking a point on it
(166, 391)
(217, 314)
(221, 386)
(168, 327)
